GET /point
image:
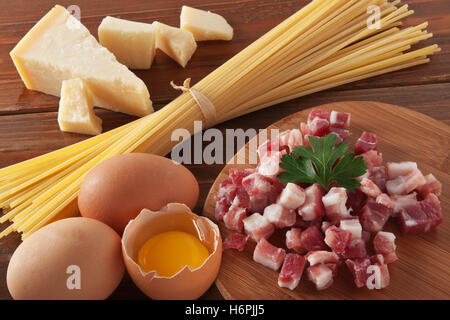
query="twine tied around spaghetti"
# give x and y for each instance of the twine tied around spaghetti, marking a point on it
(206, 106)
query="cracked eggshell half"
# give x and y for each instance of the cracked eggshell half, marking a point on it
(186, 284)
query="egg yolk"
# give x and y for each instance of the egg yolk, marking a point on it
(168, 252)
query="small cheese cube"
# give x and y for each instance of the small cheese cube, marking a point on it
(205, 25)
(133, 43)
(76, 109)
(177, 43)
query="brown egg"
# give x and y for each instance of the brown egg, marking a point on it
(74, 258)
(116, 190)
(186, 283)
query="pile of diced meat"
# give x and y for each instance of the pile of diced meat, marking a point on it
(324, 230)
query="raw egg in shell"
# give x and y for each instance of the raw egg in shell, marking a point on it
(172, 253)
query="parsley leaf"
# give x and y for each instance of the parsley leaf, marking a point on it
(323, 163)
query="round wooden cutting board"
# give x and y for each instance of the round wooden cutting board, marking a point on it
(423, 268)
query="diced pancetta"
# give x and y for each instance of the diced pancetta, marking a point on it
(355, 250)
(402, 185)
(305, 130)
(321, 275)
(401, 202)
(319, 122)
(423, 216)
(385, 200)
(258, 227)
(291, 271)
(337, 239)
(241, 199)
(358, 268)
(373, 216)
(227, 190)
(234, 217)
(367, 141)
(342, 134)
(258, 203)
(355, 200)
(279, 216)
(353, 226)
(256, 184)
(268, 255)
(373, 159)
(321, 256)
(397, 169)
(291, 139)
(369, 188)
(292, 196)
(221, 208)
(431, 185)
(312, 208)
(319, 113)
(334, 202)
(378, 176)
(340, 119)
(313, 239)
(269, 164)
(366, 273)
(294, 240)
(236, 175)
(236, 241)
(384, 244)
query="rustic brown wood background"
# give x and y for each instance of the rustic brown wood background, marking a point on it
(28, 125)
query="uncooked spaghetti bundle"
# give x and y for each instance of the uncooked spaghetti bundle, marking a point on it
(326, 44)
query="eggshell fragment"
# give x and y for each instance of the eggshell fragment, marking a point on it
(117, 189)
(187, 283)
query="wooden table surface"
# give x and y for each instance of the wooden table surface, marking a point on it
(28, 120)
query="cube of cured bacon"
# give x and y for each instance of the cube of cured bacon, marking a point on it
(221, 208)
(320, 114)
(367, 141)
(378, 176)
(384, 244)
(373, 159)
(355, 200)
(291, 271)
(259, 202)
(294, 240)
(321, 275)
(235, 241)
(405, 184)
(268, 255)
(306, 240)
(423, 216)
(319, 122)
(373, 216)
(397, 169)
(256, 184)
(241, 199)
(279, 216)
(342, 134)
(291, 139)
(305, 131)
(269, 164)
(227, 190)
(432, 185)
(399, 202)
(366, 273)
(312, 208)
(334, 202)
(340, 119)
(292, 196)
(337, 239)
(258, 227)
(236, 175)
(353, 226)
(321, 256)
(385, 200)
(369, 188)
(233, 219)
(355, 250)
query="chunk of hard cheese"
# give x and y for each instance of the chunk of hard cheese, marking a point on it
(133, 43)
(76, 109)
(177, 43)
(205, 25)
(59, 48)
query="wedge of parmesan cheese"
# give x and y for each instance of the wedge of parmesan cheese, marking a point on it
(59, 48)
(205, 25)
(177, 43)
(133, 43)
(76, 109)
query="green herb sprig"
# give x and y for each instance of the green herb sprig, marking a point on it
(323, 163)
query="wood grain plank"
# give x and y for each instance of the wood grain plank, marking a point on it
(250, 20)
